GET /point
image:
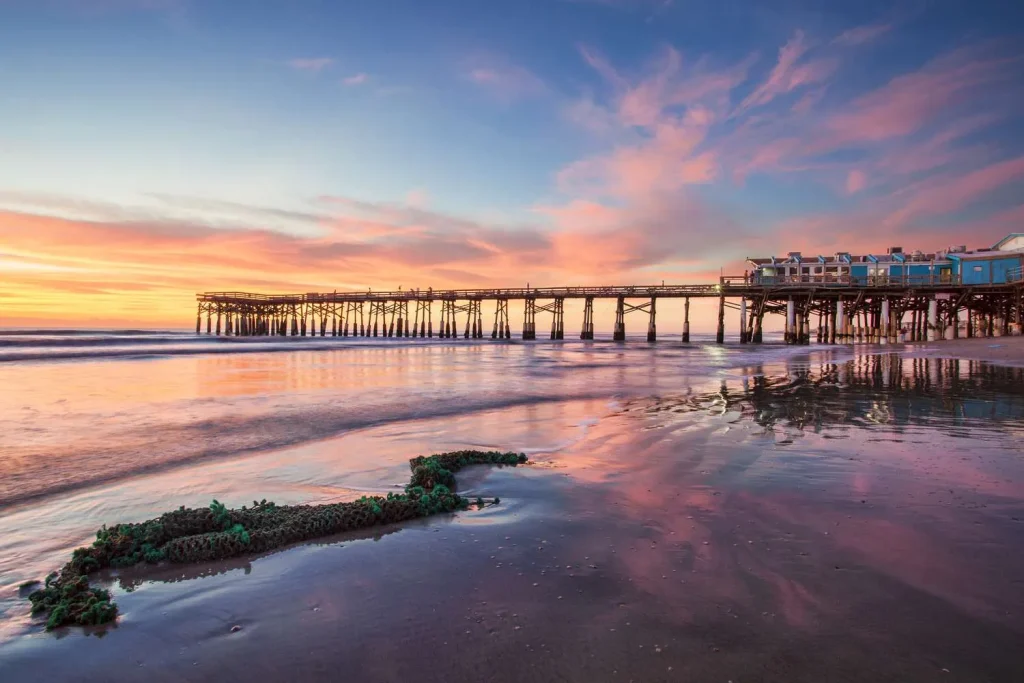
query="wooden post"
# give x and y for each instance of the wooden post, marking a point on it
(833, 311)
(933, 319)
(588, 319)
(883, 333)
(686, 320)
(840, 321)
(790, 333)
(743, 320)
(619, 333)
(530, 319)
(560, 328)
(720, 336)
(652, 326)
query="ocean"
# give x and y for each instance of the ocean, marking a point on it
(740, 508)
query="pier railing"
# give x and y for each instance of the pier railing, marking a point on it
(839, 281)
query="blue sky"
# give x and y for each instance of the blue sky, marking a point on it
(457, 140)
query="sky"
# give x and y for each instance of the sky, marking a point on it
(152, 149)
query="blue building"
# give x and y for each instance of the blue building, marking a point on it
(998, 265)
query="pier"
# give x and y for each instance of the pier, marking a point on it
(829, 310)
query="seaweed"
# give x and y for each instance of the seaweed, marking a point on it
(216, 532)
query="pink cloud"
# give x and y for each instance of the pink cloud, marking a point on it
(788, 74)
(665, 85)
(809, 100)
(356, 79)
(764, 156)
(662, 118)
(910, 101)
(606, 239)
(862, 34)
(856, 181)
(939, 150)
(506, 82)
(954, 192)
(598, 63)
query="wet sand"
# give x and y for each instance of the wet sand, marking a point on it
(804, 520)
(1000, 350)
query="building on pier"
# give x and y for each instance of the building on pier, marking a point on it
(1001, 264)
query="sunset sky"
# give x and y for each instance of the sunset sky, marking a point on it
(155, 148)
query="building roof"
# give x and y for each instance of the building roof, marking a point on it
(987, 255)
(1006, 239)
(843, 258)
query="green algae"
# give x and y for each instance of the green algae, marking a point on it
(189, 535)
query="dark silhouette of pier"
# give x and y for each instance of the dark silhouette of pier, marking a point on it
(845, 310)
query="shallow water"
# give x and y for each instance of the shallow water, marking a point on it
(690, 514)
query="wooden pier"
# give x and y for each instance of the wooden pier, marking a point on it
(827, 310)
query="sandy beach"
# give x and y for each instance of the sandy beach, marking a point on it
(999, 350)
(788, 515)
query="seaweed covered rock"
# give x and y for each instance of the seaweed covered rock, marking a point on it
(69, 599)
(431, 470)
(216, 532)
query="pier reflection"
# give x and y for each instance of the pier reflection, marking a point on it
(948, 394)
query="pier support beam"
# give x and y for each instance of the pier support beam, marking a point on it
(686, 320)
(933, 319)
(840, 322)
(743, 320)
(652, 325)
(530, 319)
(791, 322)
(557, 319)
(720, 335)
(500, 330)
(588, 319)
(619, 333)
(883, 335)
(759, 323)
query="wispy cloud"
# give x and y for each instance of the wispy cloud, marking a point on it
(862, 34)
(909, 101)
(505, 81)
(356, 79)
(790, 73)
(310, 64)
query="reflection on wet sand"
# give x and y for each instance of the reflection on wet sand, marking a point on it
(793, 521)
(889, 390)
